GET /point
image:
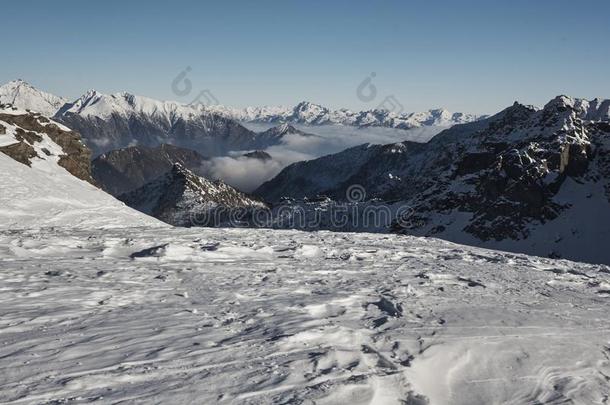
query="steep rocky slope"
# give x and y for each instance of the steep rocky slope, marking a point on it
(123, 170)
(182, 198)
(27, 136)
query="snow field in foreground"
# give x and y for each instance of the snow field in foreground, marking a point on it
(257, 317)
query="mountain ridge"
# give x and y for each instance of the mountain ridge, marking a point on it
(505, 182)
(23, 95)
(123, 170)
(309, 113)
(182, 198)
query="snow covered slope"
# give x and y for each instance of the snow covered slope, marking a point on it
(39, 191)
(230, 316)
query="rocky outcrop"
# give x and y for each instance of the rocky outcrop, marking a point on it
(258, 155)
(29, 129)
(22, 152)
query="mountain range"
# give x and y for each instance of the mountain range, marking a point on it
(314, 114)
(108, 122)
(526, 179)
(122, 170)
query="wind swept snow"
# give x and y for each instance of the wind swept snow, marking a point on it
(258, 316)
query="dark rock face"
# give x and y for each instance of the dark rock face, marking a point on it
(474, 162)
(181, 198)
(258, 155)
(76, 158)
(507, 189)
(309, 179)
(120, 171)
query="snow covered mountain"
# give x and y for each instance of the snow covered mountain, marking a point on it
(26, 97)
(46, 178)
(123, 170)
(109, 122)
(314, 114)
(182, 198)
(524, 180)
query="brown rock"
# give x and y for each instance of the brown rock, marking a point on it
(22, 152)
(76, 158)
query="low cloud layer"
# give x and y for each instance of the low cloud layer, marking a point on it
(247, 174)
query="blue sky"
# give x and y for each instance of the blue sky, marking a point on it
(471, 56)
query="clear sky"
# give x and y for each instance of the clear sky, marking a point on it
(472, 56)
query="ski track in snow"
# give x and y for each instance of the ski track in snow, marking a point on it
(225, 316)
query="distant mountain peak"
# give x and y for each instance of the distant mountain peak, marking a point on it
(258, 154)
(23, 95)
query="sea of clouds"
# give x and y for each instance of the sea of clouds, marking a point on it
(247, 174)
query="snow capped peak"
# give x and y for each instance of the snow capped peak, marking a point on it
(285, 128)
(23, 95)
(560, 102)
(307, 105)
(310, 113)
(96, 104)
(87, 96)
(19, 82)
(593, 110)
